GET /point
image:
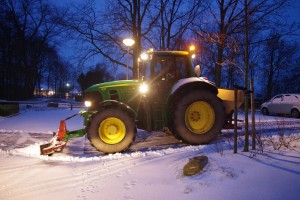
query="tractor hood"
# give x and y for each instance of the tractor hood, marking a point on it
(112, 84)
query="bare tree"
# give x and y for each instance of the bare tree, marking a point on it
(279, 61)
(102, 33)
(150, 23)
(176, 17)
(226, 27)
(227, 18)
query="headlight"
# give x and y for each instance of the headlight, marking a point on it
(87, 103)
(143, 88)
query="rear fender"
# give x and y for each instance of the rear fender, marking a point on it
(192, 83)
(197, 82)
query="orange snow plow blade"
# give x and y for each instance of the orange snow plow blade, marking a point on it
(57, 143)
(60, 139)
(52, 147)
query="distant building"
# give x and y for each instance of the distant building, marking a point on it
(44, 92)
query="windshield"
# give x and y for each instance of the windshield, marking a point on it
(161, 67)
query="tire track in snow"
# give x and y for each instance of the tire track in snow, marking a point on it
(84, 178)
(92, 178)
(37, 178)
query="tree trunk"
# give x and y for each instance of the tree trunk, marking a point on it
(246, 147)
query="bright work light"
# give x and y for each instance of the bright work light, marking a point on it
(192, 48)
(87, 104)
(144, 88)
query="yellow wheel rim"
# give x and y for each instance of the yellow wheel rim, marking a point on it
(112, 130)
(199, 117)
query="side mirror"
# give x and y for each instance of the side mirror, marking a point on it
(197, 70)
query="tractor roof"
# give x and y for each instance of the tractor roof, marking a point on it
(166, 53)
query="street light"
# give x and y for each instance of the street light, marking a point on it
(128, 43)
(67, 91)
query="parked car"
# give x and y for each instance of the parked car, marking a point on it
(283, 104)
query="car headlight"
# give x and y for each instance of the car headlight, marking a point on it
(87, 103)
(144, 88)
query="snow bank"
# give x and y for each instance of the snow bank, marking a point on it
(34, 151)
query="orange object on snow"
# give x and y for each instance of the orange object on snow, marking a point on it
(62, 130)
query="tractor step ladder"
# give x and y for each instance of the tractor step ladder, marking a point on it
(159, 116)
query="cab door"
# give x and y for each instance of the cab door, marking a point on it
(162, 77)
(165, 72)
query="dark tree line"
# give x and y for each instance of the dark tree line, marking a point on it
(26, 50)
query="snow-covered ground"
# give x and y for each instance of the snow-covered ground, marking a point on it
(151, 169)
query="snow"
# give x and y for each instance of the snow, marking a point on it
(146, 171)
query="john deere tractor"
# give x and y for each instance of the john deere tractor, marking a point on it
(169, 94)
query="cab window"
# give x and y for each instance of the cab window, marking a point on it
(169, 66)
(161, 67)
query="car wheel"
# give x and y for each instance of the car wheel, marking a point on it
(265, 111)
(295, 113)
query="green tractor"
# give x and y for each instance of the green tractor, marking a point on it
(169, 95)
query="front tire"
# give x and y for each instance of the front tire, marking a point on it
(265, 111)
(112, 130)
(197, 117)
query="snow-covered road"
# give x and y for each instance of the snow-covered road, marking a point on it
(151, 169)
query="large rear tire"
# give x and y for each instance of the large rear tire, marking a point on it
(112, 130)
(197, 117)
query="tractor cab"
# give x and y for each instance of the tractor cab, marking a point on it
(162, 69)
